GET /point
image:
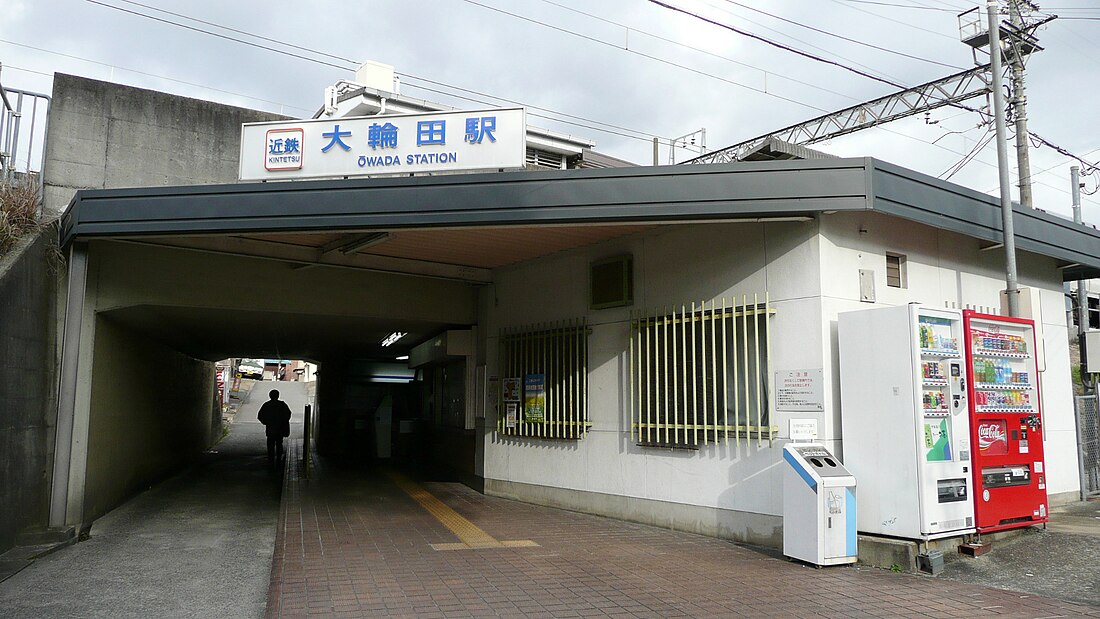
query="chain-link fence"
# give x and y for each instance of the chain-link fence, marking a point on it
(1088, 440)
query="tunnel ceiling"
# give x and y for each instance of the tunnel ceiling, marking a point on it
(467, 254)
(215, 334)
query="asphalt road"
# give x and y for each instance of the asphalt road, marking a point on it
(196, 545)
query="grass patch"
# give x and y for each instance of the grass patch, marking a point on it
(18, 212)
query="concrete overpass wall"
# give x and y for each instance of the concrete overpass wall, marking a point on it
(105, 135)
(155, 317)
(131, 274)
(152, 412)
(27, 397)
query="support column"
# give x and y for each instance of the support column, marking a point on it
(60, 496)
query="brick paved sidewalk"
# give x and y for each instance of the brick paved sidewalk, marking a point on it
(355, 544)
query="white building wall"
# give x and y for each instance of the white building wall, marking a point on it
(810, 277)
(951, 270)
(674, 265)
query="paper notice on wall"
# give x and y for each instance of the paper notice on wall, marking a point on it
(803, 429)
(510, 414)
(534, 398)
(511, 389)
(799, 390)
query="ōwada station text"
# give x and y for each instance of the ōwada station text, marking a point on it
(482, 139)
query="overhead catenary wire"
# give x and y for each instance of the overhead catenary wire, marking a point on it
(768, 41)
(721, 5)
(684, 67)
(1088, 165)
(979, 146)
(145, 73)
(346, 68)
(844, 38)
(700, 50)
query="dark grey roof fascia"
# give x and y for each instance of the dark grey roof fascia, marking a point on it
(929, 200)
(611, 195)
(597, 196)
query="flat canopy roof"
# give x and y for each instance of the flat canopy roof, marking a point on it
(337, 218)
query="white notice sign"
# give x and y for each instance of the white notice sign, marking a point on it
(802, 429)
(490, 139)
(799, 390)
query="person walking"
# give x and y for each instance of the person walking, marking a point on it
(275, 415)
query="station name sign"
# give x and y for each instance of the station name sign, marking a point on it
(373, 145)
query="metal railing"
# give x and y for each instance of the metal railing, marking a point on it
(557, 353)
(699, 374)
(24, 122)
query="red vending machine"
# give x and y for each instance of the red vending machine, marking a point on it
(1006, 424)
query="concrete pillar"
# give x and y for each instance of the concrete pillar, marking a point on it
(67, 397)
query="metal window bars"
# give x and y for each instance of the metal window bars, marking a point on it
(699, 373)
(558, 352)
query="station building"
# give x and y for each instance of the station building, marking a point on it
(671, 320)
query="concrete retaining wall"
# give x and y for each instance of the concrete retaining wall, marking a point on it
(107, 135)
(27, 398)
(151, 412)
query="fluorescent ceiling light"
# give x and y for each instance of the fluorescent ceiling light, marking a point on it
(393, 337)
(403, 358)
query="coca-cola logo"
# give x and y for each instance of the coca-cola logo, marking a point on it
(989, 434)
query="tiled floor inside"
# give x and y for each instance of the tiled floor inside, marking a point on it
(354, 543)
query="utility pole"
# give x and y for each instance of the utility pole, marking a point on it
(1011, 290)
(1019, 103)
(1082, 293)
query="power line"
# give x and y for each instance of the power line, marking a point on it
(220, 36)
(979, 146)
(253, 35)
(902, 6)
(200, 30)
(700, 50)
(265, 47)
(896, 21)
(844, 38)
(643, 55)
(514, 102)
(776, 44)
(720, 6)
(154, 75)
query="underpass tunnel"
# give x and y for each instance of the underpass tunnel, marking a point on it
(156, 319)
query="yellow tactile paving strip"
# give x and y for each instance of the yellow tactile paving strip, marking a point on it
(469, 534)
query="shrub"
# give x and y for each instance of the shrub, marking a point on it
(18, 212)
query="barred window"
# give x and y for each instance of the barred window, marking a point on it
(544, 381)
(699, 374)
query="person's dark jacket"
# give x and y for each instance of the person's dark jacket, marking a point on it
(275, 415)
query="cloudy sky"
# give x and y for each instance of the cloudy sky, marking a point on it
(619, 72)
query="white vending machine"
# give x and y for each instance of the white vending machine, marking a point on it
(905, 420)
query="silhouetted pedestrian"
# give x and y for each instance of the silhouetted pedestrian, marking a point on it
(275, 415)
